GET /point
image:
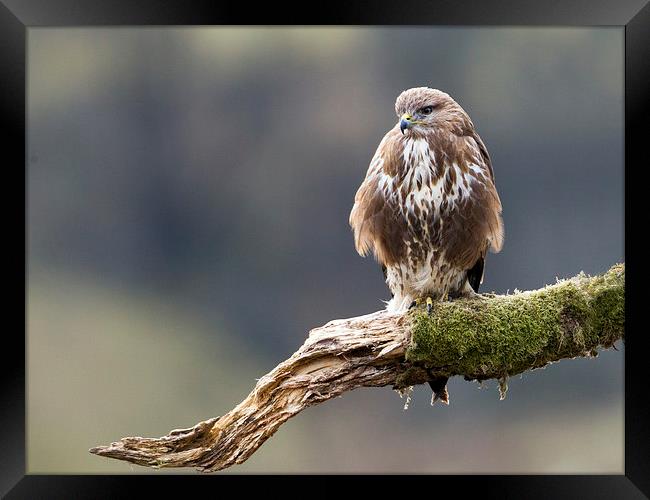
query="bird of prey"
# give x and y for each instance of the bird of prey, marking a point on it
(428, 207)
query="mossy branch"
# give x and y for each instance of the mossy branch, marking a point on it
(489, 336)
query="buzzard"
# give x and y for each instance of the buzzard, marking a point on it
(428, 207)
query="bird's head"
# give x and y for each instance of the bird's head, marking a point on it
(421, 109)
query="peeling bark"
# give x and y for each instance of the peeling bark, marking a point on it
(489, 336)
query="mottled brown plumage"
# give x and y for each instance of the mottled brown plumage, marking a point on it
(428, 207)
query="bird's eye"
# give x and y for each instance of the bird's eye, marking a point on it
(427, 110)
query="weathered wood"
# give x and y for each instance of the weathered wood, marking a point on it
(489, 336)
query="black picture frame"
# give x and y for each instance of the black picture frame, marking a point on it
(16, 16)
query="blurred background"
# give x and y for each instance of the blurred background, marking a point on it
(188, 200)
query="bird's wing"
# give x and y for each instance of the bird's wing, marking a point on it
(483, 152)
(373, 217)
(474, 224)
(495, 222)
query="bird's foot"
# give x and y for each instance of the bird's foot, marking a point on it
(428, 301)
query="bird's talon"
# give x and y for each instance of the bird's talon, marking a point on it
(415, 303)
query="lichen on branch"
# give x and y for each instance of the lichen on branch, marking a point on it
(489, 336)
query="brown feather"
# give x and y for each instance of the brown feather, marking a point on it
(428, 203)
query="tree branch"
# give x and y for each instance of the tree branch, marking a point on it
(488, 336)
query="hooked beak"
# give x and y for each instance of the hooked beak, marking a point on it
(406, 121)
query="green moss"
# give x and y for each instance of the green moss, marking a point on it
(608, 303)
(504, 335)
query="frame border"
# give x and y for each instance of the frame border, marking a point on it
(634, 15)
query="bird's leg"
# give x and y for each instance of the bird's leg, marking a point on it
(466, 292)
(426, 300)
(443, 298)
